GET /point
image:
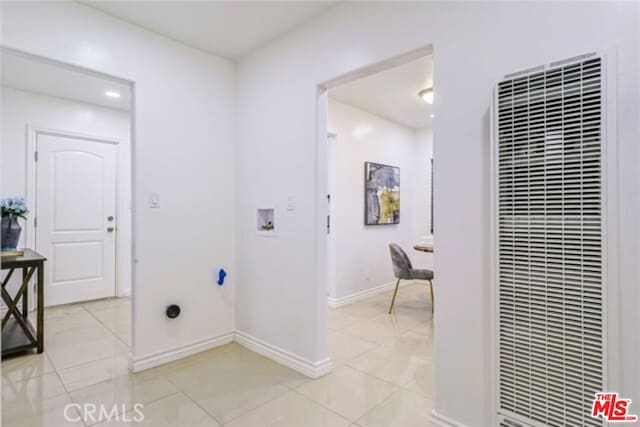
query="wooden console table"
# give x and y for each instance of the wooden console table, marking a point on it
(17, 332)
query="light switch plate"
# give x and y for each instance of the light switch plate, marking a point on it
(291, 203)
(154, 200)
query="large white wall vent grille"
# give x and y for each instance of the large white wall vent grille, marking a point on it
(549, 254)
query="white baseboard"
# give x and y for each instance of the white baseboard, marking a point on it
(349, 299)
(157, 359)
(290, 360)
(438, 420)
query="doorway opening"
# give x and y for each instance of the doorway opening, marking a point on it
(375, 152)
(66, 150)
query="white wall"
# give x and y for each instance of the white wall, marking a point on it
(183, 150)
(362, 259)
(421, 231)
(332, 238)
(474, 45)
(21, 108)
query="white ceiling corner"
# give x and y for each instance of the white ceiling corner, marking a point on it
(31, 74)
(229, 29)
(393, 93)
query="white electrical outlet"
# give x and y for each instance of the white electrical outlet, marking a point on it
(291, 203)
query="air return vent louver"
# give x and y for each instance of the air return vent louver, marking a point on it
(505, 422)
(549, 161)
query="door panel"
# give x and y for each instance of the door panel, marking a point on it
(76, 194)
(82, 208)
(77, 261)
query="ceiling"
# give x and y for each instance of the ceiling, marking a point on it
(393, 94)
(27, 73)
(229, 29)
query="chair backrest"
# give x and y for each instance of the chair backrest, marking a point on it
(401, 262)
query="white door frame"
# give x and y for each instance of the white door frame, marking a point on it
(131, 82)
(31, 190)
(321, 166)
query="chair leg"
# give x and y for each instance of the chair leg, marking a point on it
(394, 296)
(432, 300)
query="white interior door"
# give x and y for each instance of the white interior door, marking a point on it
(76, 217)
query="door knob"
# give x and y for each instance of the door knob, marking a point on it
(109, 218)
(110, 229)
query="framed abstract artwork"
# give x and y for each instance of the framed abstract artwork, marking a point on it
(381, 194)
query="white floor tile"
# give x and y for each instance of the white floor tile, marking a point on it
(22, 367)
(46, 412)
(290, 410)
(338, 319)
(31, 390)
(343, 348)
(90, 373)
(368, 330)
(391, 365)
(124, 392)
(383, 374)
(235, 392)
(403, 409)
(348, 392)
(176, 410)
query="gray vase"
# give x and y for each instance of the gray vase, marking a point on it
(10, 232)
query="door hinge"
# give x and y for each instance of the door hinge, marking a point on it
(35, 156)
(35, 221)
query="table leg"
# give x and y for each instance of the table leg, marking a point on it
(40, 333)
(5, 298)
(25, 296)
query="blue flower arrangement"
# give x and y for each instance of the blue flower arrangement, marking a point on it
(11, 208)
(14, 206)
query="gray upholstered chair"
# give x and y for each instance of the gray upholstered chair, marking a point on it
(403, 270)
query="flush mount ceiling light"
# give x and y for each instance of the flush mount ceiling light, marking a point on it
(112, 94)
(426, 95)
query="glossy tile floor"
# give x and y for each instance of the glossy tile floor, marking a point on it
(382, 374)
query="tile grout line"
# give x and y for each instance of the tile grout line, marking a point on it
(106, 327)
(184, 392)
(148, 403)
(82, 364)
(289, 390)
(91, 361)
(403, 385)
(396, 388)
(276, 381)
(57, 371)
(66, 392)
(393, 393)
(45, 355)
(323, 406)
(286, 388)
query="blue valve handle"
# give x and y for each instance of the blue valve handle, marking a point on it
(221, 275)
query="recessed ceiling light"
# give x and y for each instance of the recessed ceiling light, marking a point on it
(426, 95)
(112, 94)
(432, 115)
